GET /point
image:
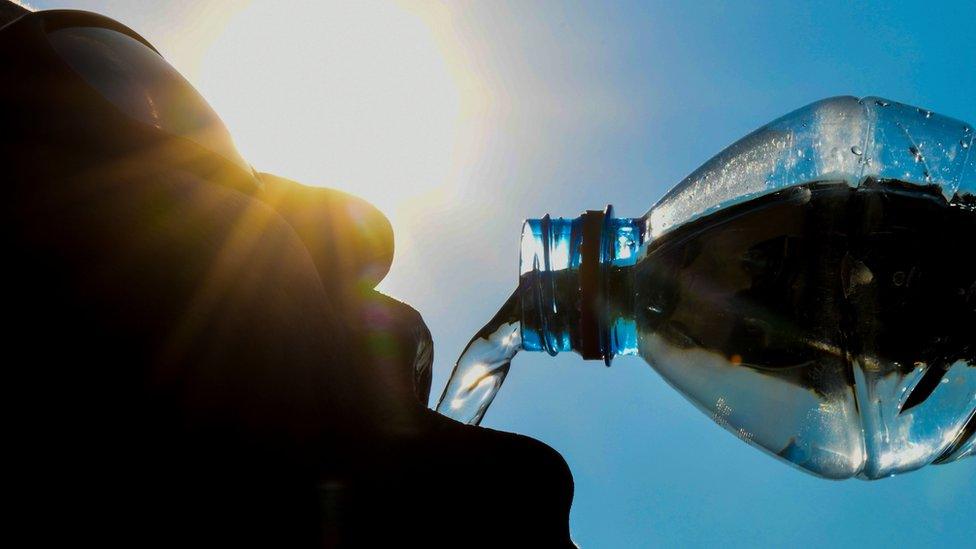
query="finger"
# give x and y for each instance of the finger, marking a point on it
(351, 242)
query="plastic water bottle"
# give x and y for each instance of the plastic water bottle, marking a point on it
(812, 288)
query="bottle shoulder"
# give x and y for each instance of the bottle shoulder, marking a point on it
(841, 139)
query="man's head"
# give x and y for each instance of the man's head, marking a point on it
(201, 353)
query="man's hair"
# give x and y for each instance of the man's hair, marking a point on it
(11, 10)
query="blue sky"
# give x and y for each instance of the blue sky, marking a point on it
(557, 107)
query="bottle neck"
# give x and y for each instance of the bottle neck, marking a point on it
(575, 284)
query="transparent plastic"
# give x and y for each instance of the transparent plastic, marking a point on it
(812, 288)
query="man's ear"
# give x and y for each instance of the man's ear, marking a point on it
(11, 11)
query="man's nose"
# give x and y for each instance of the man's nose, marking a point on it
(350, 241)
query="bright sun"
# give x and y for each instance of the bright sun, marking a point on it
(352, 95)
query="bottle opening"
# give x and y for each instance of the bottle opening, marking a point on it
(549, 284)
(566, 266)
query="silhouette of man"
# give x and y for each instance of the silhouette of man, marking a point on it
(195, 351)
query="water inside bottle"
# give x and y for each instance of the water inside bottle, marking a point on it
(831, 325)
(828, 324)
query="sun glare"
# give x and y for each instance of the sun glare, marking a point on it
(357, 96)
